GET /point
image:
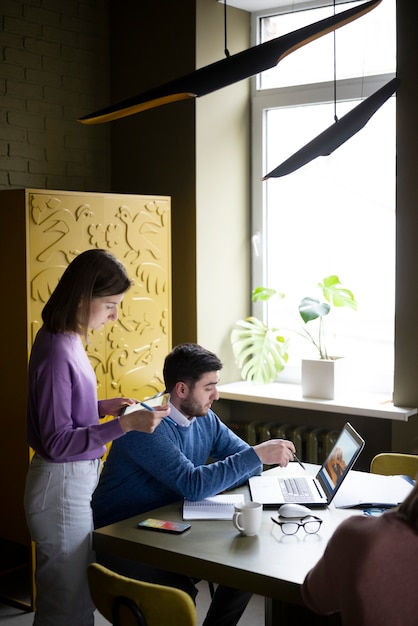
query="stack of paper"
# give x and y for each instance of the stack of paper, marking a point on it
(361, 489)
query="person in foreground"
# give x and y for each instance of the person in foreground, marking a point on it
(172, 463)
(369, 570)
(64, 431)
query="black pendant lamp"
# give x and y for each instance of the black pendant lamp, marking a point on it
(342, 130)
(337, 134)
(229, 70)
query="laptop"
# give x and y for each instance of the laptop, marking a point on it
(272, 491)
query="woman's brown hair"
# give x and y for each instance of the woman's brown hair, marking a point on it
(92, 274)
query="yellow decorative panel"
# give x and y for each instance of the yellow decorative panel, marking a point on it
(127, 355)
(41, 232)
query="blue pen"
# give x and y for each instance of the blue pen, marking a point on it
(147, 406)
(150, 408)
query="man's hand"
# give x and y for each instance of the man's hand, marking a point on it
(275, 452)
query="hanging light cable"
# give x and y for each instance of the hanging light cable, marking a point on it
(225, 33)
(229, 70)
(335, 73)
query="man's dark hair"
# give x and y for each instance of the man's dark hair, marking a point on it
(187, 363)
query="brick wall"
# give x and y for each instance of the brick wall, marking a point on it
(54, 68)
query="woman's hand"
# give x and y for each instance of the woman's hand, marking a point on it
(114, 406)
(143, 420)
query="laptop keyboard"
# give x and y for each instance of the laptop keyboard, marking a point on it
(295, 490)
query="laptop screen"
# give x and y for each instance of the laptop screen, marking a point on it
(340, 460)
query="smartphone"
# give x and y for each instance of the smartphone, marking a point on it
(150, 404)
(160, 399)
(163, 525)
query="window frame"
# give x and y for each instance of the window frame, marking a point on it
(261, 101)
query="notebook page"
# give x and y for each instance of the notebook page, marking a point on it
(215, 507)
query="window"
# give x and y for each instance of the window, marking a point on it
(335, 215)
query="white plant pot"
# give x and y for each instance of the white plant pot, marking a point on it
(321, 378)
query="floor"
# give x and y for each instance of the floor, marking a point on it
(253, 616)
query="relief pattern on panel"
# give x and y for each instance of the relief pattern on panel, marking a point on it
(127, 355)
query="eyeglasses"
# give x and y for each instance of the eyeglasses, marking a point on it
(310, 524)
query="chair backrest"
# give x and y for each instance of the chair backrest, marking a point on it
(126, 601)
(389, 463)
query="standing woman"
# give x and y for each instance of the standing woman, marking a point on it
(64, 431)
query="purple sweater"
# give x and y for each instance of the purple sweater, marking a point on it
(62, 414)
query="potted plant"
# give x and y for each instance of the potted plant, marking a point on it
(319, 376)
(261, 351)
(310, 309)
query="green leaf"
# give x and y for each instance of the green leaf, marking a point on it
(310, 309)
(336, 293)
(260, 351)
(262, 294)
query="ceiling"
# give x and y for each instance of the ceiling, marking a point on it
(255, 5)
(261, 5)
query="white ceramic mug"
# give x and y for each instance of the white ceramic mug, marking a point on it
(247, 517)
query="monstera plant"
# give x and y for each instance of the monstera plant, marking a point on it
(261, 351)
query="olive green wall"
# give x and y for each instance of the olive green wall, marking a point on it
(152, 43)
(196, 151)
(54, 69)
(222, 189)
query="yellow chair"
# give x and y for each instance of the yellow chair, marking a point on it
(128, 602)
(392, 463)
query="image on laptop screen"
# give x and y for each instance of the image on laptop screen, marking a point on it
(340, 460)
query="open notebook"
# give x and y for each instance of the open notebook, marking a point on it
(215, 507)
(309, 490)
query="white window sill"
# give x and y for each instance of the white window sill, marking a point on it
(280, 394)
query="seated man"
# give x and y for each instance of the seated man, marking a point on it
(144, 472)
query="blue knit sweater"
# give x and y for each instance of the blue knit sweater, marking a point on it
(145, 471)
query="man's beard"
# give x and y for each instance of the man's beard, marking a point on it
(190, 408)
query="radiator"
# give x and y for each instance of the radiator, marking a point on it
(312, 444)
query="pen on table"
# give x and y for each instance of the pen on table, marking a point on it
(299, 461)
(150, 408)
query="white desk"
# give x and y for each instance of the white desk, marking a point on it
(271, 564)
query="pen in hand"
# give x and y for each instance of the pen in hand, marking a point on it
(295, 458)
(146, 406)
(150, 408)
